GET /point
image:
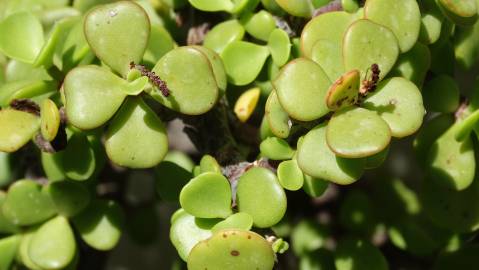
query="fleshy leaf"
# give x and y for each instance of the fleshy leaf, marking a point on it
(260, 195)
(118, 34)
(356, 132)
(136, 137)
(207, 196)
(17, 129)
(231, 250)
(86, 90)
(301, 87)
(22, 36)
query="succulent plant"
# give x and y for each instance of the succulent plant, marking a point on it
(255, 124)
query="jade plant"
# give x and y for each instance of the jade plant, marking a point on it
(254, 134)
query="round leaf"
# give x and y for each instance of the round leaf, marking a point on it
(279, 47)
(22, 36)
(259, 25)
(78, 159)
(92, 96)
(330, 27)
(190, 77)
(356, 132)
(207, 196)
(230, 250)
(401, 17)
(53, 245)
(399, 102)
(100, 224)
(260, 195)
(186, 231)
(243, 61)
(452, 162)
(316, 159)
(22, 197)
(223, 34)
(17, 129)
(301, 87)
(290, 175)
(441, 94)
(136, 137)
(118, 34)
(276, 149)
(366, 43)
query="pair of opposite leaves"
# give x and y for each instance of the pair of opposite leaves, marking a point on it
(258, 194)
(118, 34)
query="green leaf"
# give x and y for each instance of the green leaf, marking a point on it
(328, 27)
(277, 118)
(53, 245)
(136, 137)
(450, 162)
(462, 12)
(242, 221)
(243, 61)
(231, 250)
(276, 149)
(212, 5)
(190, 77)
(17, 129)
(316, 159)
(299, 8)
(223, 34)
(290, 175)
(207, 196)
(441, 94)
(413, 65)
(356, 132)
(22, 36)
(401, 17)
(314, 187)
(100, 224)
(260, 195)
(8, 249)
(301, 87)
(172, 174)
(79, 161)
(279, 46)
(399, 102)
(92, 95)
(259, 25)
(366, 43)
(118, 34)
(186, 231)
(22, 197)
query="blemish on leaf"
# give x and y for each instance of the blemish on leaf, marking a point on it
(235, 253)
